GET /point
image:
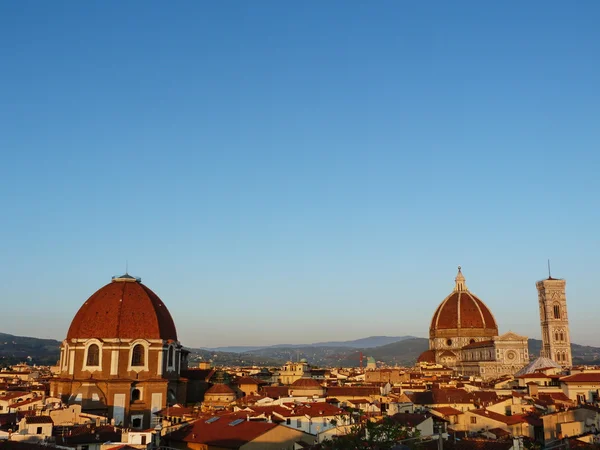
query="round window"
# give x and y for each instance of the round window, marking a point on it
(449, 342)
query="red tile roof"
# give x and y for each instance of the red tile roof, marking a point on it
(462, 309)
(427, 356)
(479, 344)
(589, 377)
(275, 391)
(352, 391)
(248, 380)
(508, 420)
(221, 432)
(38, 419)
(126, 310)
(447, 411)
(220, 389)
(306, 383)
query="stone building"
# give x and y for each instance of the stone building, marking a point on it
(464, 336)
(556, 341)
(121, 357)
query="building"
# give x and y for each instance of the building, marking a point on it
(556, 341)
(464, 336)
(291, 371)
(121, 357)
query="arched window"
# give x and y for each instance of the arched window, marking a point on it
(170, 357)
(93, 355)
(137, 355)
(556, 336)
(562, 336)
(556, 311)
(135, 395)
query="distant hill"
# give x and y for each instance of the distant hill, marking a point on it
(403, 351)
(582, 354)
(368, 342)
(16, 349)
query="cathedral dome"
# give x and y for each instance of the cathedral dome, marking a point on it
(462, 313)
(123, 309)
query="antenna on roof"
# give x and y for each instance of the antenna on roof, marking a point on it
(549, 274)
(127, 267)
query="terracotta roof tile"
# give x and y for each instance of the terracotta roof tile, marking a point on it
(126, 310)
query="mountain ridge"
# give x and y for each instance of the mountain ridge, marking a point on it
(402, 352)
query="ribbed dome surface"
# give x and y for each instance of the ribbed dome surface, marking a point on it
(125, 309)
(462, 310)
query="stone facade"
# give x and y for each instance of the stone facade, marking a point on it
(556, 340)
(464, 337)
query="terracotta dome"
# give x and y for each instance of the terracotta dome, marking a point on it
(125, 309)
(306, 383)
(463, 311)
(219, 389)
(428, 356)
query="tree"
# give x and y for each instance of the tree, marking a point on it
(381, 435)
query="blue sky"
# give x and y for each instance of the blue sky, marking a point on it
(289, 172)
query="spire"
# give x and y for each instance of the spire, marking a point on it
(460, 284)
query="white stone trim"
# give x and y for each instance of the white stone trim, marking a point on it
(146, 346)
(84, 365)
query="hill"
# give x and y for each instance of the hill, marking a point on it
(404, 351)
(16, 349)
(368, 342)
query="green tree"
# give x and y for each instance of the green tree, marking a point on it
(381, 435)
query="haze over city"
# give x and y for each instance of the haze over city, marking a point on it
(295, 173)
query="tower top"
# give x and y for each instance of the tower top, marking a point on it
(459, 282)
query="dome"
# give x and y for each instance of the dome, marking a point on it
(428, 356)
(463, 312)
(306, 383)
(124, 309)
(219, 389)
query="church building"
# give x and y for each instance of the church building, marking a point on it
(464, 337)
(121, 357)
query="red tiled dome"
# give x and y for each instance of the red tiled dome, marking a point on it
(428, 356)
(463, 313)
(307, 383)
(463, 310)
(219, 389)
(125, 309)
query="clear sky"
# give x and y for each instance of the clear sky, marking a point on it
(291, 172)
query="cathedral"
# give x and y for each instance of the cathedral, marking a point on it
(121, 357)
(464, 336)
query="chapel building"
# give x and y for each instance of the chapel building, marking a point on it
(121, 357)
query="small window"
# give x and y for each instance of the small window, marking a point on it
(473, 419)
(136, 423)
(557, 311)
(449, 342)
(93, 356)
(39, 430)
(137, 355)
(143, 439)
(135, 395)
(298, 423)
(170, 356)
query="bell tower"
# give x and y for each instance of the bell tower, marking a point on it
(556, 340)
